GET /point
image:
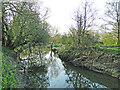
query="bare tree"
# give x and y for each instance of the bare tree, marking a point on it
(84, 18)
(118, 23)
(0, 22)
(112, 16)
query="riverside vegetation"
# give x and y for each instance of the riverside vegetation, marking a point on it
(26, 33)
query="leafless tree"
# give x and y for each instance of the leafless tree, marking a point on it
(112, 14)
(84, 18)
(118, 22)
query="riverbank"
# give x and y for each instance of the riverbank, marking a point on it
(13, 73)
(10, 74)
(98, 62)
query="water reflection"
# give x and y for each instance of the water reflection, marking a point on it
(80, 81)
(37, 78)
(57, 74)
(62, 77)
(93, 79)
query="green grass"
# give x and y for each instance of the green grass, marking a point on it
(57, 45)
(0, 65)
(9, 72)
(111, 49)
(110, 45)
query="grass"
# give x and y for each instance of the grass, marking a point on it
(57, 45)
(111, 49)
(0, 65)
(9, 72)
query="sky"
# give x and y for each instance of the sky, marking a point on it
(62, 12)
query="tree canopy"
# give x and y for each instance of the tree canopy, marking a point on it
(23, 24)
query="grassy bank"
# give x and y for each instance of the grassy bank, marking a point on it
(10, 76)
(104, 60)
(111, 49)
(0, 65)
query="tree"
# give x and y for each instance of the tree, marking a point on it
(119, 22)
(22, 24)
(55, 35)
(108, 38)
(84, 18)
(112, 16)
(0, 22)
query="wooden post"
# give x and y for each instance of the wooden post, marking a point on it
(30, 49)
(51, 48)
(29, 60)
(39, 50)
(40, 53)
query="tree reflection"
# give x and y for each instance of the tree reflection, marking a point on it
(54, 74)
(55, 67)
(80, 81)
(37, 78)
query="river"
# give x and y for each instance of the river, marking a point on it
(58, 74)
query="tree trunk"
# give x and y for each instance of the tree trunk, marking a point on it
(118, 23)
(118, 26)
(51, 49)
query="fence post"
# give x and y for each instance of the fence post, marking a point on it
(51, 48)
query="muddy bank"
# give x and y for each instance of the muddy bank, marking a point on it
(100, 62)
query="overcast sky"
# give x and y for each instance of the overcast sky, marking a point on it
(62, 12)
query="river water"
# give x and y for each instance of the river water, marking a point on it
(58, 74)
